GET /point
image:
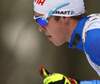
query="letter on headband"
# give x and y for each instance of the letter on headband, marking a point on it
(39, 2)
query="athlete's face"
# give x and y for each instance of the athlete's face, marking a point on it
(57, 31)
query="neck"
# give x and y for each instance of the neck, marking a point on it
(72, 25)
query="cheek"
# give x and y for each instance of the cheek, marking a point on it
(59, 37)
(57, 31)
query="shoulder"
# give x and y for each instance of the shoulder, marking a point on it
(92, 40)
(92, 45)
(93, 25)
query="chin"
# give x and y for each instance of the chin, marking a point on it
(57, 44)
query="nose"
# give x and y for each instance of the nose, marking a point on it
(41, 28)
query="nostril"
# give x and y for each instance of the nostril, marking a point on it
(41, 28)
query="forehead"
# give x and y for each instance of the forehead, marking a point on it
(38, 14)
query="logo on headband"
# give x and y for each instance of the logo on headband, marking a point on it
(64, 12)
(40, 2)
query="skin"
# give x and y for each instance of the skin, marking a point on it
(60, 31)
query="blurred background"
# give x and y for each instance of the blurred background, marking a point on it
(23, 49)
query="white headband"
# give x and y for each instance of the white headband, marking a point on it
(75, 7)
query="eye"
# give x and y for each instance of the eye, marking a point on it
(48, 18)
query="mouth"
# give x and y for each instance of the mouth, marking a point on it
(49, 37)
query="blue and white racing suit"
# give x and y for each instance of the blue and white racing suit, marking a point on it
(88, 41)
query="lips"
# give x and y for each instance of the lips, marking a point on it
(48, 35)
